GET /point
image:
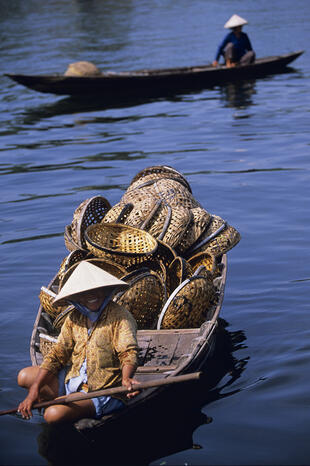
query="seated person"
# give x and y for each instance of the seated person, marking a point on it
(97, 347)
(236, 47)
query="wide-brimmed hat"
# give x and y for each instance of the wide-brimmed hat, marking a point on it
(234, 22)
(84, 278)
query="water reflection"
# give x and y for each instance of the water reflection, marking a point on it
(238, 95)
(157, 428)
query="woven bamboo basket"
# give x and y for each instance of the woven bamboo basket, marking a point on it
(200, 221)
(153, 265)
(46, 343)
(89, 212)
(217, 239)
(47, 297)
(180, 222)
(70, 244)
(188, 305)
(177, 272)
(165, 253)
(160, 171)
(120, 243)
(118, 213)
(144, 298)
(111, 267)
(139, 194)
(141, 212)
(175, 194)
(203, 258)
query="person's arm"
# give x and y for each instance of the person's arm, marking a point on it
(128, 371)
(25, 406)
(220, 50)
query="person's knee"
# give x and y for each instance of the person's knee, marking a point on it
(23, 377)
(53, 415)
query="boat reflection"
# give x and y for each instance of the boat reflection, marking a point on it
(155, 429)
(238, 95)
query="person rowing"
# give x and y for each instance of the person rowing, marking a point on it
(97, 348)
(236, 47)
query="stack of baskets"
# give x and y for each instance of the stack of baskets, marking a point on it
(160, 240)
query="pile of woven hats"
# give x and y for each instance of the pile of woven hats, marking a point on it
(158, 239)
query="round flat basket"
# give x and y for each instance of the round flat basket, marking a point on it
(114, 269)
(177, 272)
(89, 212)
(120, 243)
(144, 298)
(188, 305)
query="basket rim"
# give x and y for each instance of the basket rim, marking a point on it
(115, 251)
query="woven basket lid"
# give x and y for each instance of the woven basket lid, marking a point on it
(121, 243)
(157, 172)
(188, 305)
(86, 277)
(144, 298)
(89, 212)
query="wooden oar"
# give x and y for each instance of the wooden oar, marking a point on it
(110, 391)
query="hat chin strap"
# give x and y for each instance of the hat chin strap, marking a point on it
(93, 316)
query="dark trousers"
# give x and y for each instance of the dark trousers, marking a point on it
(246, 59)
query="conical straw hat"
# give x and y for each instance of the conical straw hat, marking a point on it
(87, 277)
(234, 22)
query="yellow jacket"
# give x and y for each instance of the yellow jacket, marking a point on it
(111, 344)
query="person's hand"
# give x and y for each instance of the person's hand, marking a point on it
(24, 408)
(128, 383)
(215, 63)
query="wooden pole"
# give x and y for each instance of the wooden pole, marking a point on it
(110, 391)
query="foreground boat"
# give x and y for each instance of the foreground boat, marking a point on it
(155, 82)
(163, 352)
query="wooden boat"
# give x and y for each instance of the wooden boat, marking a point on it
(156, 82)
(163, 352)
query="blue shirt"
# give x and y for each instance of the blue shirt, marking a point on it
(241, 45)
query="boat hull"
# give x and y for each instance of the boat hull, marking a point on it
(153, 82)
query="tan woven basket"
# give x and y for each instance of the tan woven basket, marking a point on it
(200, 221)
(70, 244)
(203, 258)
(89, 212)
(47, 297)
(188, 305)
(175, 194)
(177, 272)
(118, 213)
(46, 343)
(144, 298)
(217, 239)
(120, 243)
(157, 172)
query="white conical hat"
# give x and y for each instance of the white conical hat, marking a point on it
(234, 22)
(87, 277)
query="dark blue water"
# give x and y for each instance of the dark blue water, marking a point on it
(245, 150)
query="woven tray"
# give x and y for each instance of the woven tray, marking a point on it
(144, 298)
(120, 243)
(188, 305)
(89, 212)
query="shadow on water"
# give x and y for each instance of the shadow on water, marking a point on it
(158, 428)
